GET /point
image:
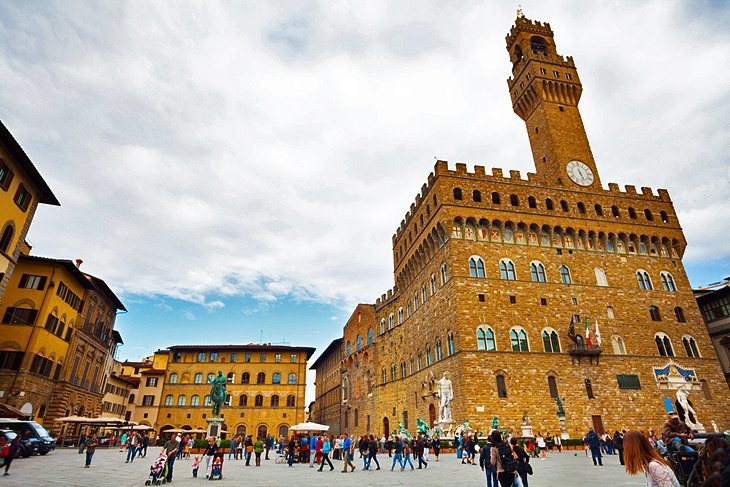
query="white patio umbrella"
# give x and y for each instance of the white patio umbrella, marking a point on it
(310, 427)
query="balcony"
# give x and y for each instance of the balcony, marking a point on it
(580, 351)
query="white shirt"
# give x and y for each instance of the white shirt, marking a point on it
(660, 475)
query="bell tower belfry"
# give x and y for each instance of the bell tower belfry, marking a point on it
(545, 90)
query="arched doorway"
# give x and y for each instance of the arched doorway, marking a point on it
(431, 415)
(224, 428)
(262, 431)
(386, 427)
(241, 430)
(283, 431)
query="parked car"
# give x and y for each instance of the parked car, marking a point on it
(35, 438)
(26, 448)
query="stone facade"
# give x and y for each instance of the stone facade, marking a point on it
(714, 303)
(491, 270)
(328, 400)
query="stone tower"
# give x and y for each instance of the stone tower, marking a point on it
(545, 91)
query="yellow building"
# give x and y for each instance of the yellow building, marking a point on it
(116, 393)
(266, 387)
(40, 312)
(21, 189)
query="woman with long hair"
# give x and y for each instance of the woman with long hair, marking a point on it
(640, 456)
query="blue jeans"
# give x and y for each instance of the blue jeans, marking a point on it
(170, 463)
(397, 457)
(407, 459)
(231, 449)
(596, 455)
(89, 456)
(491, 476)
(371, 458)
(131, 452)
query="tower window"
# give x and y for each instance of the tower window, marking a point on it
(514, 200)
(536, 130)
(564, 205)
(615, 212)
(542, 71)
(556, 74)
(549, 204)
(477, 196)
(538, 44)
(665, 218)
(568, 75)
(495, 198)
(531, 202)
(649, 216)
(457, 193)
(560, 107)
(599, 210)
(581, 208)
(632, 213)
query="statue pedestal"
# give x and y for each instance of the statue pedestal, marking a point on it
(527, 431)
(563, 431)
(215, 425)
(444, 427)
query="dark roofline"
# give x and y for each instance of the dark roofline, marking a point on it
(250, 346)
(703, 295)
(117, 337)
(70, 267)
(45, 195)
(106, 290)
(337, 342)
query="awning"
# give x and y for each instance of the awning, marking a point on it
(8, 411)
(309, 427)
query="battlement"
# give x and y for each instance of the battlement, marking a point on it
(386, 297)
(441, 168)
(523, 24)
(557, 59)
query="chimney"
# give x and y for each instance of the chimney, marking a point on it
(78, 263)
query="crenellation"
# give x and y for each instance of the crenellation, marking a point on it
(631, 189)
(461, 169)
(480, 171)
(497, 172)
(514, 174)
(646, 191)
(613, 187)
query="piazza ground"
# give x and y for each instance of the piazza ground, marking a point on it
(65, 468)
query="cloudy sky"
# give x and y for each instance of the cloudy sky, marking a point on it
(235, 170)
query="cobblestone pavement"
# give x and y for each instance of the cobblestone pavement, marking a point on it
(65, 468)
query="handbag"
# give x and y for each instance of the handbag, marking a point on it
(528, 469)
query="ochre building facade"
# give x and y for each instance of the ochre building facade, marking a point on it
(492, 272)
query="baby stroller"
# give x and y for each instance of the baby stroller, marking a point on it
(216, 470)
(158, 470)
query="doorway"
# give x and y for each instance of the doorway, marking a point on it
(598, 424)
(386, 427)
(431, 415)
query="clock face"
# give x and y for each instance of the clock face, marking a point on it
(579, 173)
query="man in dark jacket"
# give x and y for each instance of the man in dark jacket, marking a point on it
(618, 444)
(486, 463)
(594, 443)
(420, 445)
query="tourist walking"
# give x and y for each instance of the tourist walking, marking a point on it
(640, 456)
(373, 453)
(618, 444)
(312, 450)
(420, 450)
(398, 447)
(558, 443)
(249, 449)
(90, 449)
(523, 461)
(541, 445)
(407, 452)
(232, 449)
(485, 462)
(362, 446)
(326, 449)
(503, 458)
(269, 445)
(210, 451)
(594, 444)
(12, 452)
(258, 449)
(171, 447)
(291, 452)
(389, 446)
(132, 441)
(347, 454)
(82, 443)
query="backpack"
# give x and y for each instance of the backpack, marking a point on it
(506, 458)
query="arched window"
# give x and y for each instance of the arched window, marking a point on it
(581, 208)
(290, 401)
(231, 378)
(600, 277)
(211, 376)
(173, 378)
(599, 210)
(564, 205)
(345, 388)
(429, 355)
(495, 198)
(679, 313)
(444, 274)
(275, 378)
(664, 217)
(632, 213)
(382, 326)
(518, 340)
(206, 401)
(501, 386)
(274, 401)
(615, 212)
(245, 378)
(292, 378)
(654, 313)
(348, 348)
(168, 400)
(537, 271)
(450, 344)
(243, 400)
(391, 321)
(195, 400)
(690, 346)
(457, 193)
(260, 378)
(553, 386)
(648, 215)
(358, 340)
(531, 202)
(181, 400)
(401, 316)
(609, 312)
(538, 45)
(644, 280)
(432, 280)
(198, 379)
(514, 200)
(618, 345)
(664, 345)
(439, 351)
(476, 267)
(6, 239)
(477, 196)
(258, 401)
(668, 281)
(550, 340)
(549, 204)
(201, 357)
(370, 336)
(565, 274)
(485, 339)
(507, 270)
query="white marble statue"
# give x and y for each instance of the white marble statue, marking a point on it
(692, 420)
(446, 395)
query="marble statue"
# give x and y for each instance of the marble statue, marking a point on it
(446, 395)
(217, 393)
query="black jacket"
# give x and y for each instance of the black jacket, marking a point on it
(485, 459)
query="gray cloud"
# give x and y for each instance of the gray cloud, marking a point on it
(204, 149)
